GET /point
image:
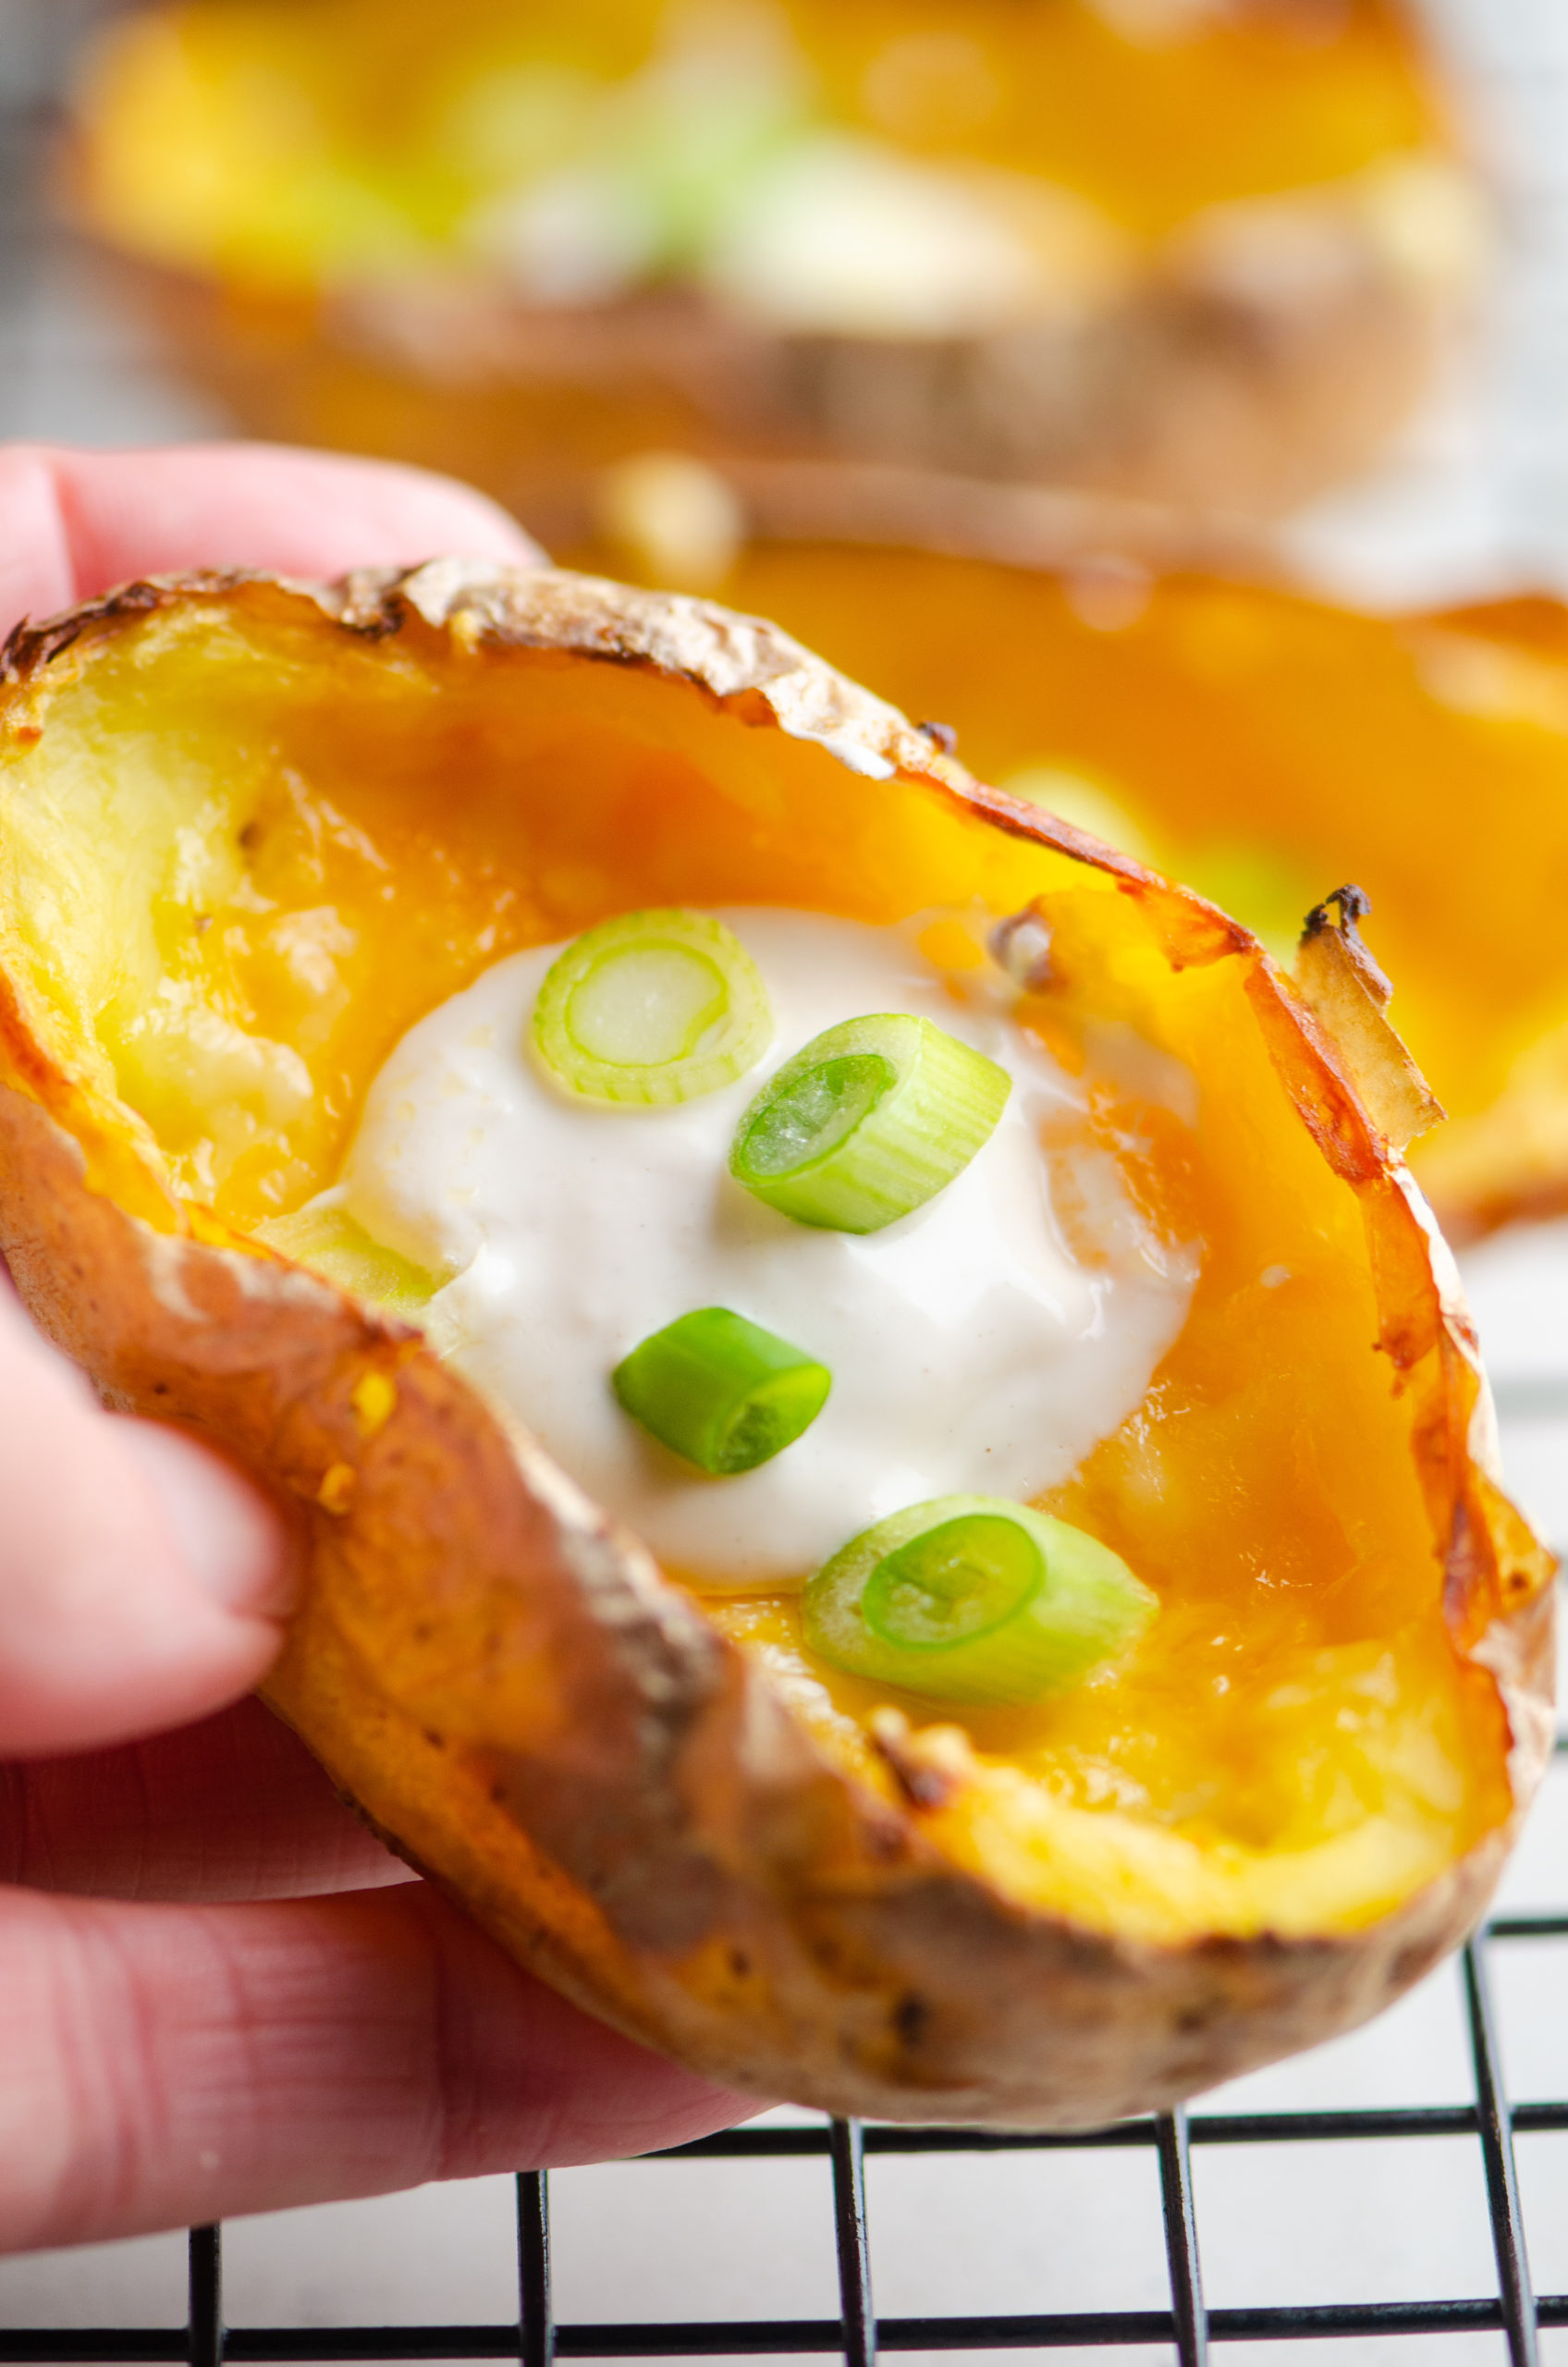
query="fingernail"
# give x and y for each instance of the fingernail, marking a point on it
(230, 1538)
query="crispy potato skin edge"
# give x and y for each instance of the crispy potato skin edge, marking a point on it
(497, 1676)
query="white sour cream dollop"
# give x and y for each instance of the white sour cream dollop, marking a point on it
(970, 1352)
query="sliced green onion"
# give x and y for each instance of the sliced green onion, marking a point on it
(654, 1007)
(329, 1240)
(722, 1391)
(872, 1119)
(975, 1599)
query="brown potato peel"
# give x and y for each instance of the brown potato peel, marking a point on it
(489, 1666)
(1349, 994)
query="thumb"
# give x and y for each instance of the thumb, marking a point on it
(142, 1580)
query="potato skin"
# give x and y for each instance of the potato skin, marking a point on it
(500, 1680)
(1251, 351)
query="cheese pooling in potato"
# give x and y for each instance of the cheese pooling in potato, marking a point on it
(969, 1350)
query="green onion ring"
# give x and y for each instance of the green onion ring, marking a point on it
(721, 1392)
(870, 1121)
(972, 1599)
(651, 1009)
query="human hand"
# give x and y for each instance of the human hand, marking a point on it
(217, 1992)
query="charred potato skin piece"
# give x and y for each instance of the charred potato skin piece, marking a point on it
(501, 1682)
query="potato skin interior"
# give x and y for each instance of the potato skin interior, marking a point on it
(245, 845)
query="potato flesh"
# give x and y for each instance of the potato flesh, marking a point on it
(307, 841)
(1265, 749)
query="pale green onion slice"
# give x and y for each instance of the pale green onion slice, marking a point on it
(972, 1599)
(872, 1119)
(721, 1392)
(330, 1241)
(651, 1009)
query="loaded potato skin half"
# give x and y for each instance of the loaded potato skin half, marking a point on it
(251, 833)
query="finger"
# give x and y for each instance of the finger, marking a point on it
(73, 523)
(142, 1582)
(234, 1807)
(167, 2064)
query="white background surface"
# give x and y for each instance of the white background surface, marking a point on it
(1476, 500)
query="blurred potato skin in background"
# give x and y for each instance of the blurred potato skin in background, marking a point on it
(1197, 251)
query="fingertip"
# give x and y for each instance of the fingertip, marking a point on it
(268, 506)
(231, 1539)
(36, 574)
(75, 523)
(141, 1580)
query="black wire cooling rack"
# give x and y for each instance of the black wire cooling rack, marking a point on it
(1186, 2329)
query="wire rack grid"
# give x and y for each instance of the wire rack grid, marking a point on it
(1184, 2329)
